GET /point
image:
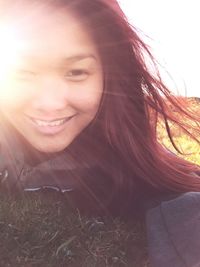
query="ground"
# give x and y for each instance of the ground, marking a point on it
(41, 230)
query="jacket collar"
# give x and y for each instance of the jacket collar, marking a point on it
(16, 172)
(11, 156)
(63, 170)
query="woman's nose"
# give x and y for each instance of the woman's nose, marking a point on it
(51, 95)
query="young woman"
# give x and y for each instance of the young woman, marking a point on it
(79, 108)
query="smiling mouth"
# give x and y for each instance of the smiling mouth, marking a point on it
(51, 123)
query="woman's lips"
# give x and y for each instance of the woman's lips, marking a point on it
(49, 127)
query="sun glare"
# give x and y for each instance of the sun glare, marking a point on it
(10, 47)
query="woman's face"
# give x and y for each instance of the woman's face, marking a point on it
(54, 89)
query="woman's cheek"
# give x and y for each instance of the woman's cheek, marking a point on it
(86, 101)
(13, 94)
(88, 95)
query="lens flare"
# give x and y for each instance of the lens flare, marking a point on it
(10, 47)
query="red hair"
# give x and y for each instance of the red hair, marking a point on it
(130, 92)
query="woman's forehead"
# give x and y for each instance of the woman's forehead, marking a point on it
(58, 36)
(32, 22)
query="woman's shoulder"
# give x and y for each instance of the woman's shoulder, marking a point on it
(173, 231)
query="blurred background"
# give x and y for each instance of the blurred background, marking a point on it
(171, 28)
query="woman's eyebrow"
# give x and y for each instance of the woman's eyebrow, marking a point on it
(34, 60)
(79, 57)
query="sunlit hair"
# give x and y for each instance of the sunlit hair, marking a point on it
(123, 137)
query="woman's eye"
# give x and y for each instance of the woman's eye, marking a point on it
(77, 75)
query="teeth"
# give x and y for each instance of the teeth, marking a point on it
(45, 123)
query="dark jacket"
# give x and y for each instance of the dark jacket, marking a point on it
(173, 225)
(173, 230)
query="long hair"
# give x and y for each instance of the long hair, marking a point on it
(134, 97)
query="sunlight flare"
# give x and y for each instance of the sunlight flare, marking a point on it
(10, 47)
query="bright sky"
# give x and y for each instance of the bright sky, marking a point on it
(173, 26)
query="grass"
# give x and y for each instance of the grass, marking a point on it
(189, 148)
(41, 230)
